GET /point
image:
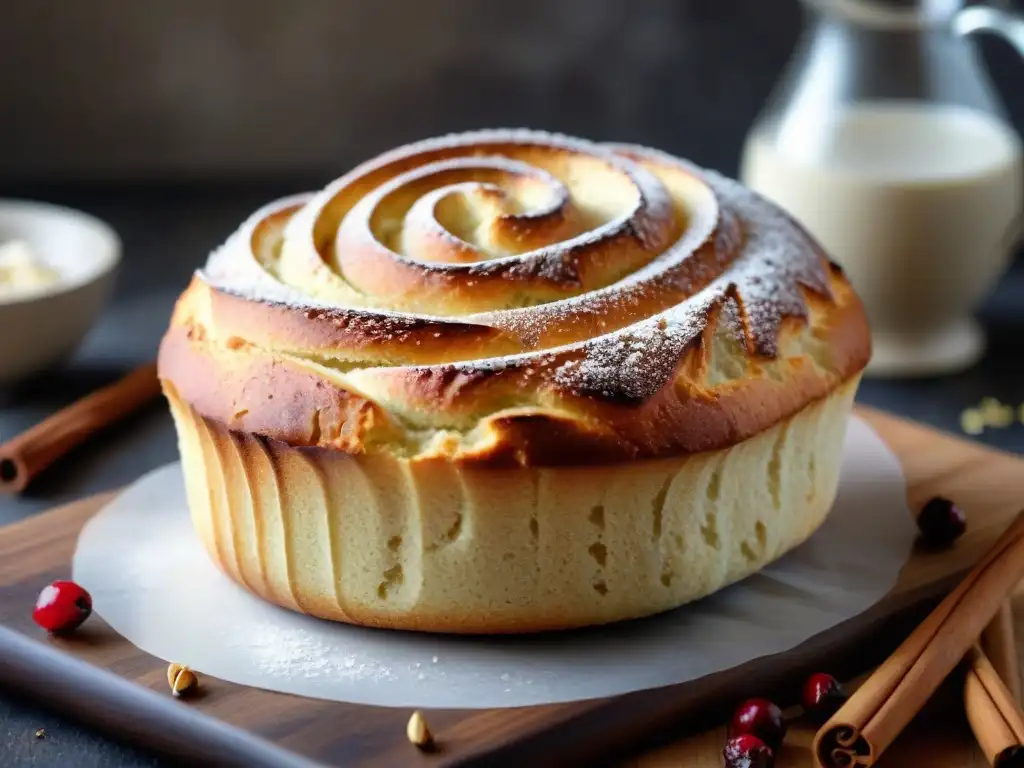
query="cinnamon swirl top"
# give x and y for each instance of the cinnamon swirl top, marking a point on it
(515, 297)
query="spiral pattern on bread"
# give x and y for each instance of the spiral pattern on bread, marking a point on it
(515, 298)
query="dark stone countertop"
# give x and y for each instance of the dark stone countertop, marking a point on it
(166, 232)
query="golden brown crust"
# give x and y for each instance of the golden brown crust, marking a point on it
(697, 318)
(445, 547)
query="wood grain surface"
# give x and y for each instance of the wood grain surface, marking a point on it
(990, 485)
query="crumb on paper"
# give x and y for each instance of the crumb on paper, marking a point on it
(40, 733)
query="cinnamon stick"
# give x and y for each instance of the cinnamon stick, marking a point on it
(871, 719)
(28, 454)
(999, 643)
(995, 716)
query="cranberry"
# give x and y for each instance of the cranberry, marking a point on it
(941, 522)
(822, 696)
(1011, 757)
(761, 718)
(62, 607)
(747, 751)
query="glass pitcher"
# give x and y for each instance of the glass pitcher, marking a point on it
(886, 140)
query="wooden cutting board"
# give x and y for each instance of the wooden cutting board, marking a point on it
(990, 485)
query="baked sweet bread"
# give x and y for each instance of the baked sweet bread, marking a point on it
(509, 381)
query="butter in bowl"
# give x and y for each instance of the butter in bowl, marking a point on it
(57, 270)
(22, 270)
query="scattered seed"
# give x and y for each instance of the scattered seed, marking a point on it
(990, 413)
(972, 422)
(418, 732)
(996, 414)
(181, 679)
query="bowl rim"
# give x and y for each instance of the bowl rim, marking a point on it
(105, 261)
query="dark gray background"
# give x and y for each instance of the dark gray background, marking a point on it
(174, 120)
(209, 88)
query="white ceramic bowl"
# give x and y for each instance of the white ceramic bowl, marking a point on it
(40, 328)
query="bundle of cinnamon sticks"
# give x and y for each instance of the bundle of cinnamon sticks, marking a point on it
(971, 625)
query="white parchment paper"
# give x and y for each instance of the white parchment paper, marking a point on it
(153, 583)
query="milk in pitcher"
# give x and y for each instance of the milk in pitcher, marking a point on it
(919, 203)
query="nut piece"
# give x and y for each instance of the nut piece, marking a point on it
(418, 732)
(181, 679)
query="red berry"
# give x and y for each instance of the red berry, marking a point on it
(761, 718)
(822, 695)
(941, 522)
(747, 751)
(62, 607)
(1011, 757)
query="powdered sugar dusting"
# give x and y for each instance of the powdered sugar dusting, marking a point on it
(737, 252)
(634, 364)
(777, 260)
(280, 649)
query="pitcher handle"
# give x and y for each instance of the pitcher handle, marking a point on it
(1008, 23)
(985, 18)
